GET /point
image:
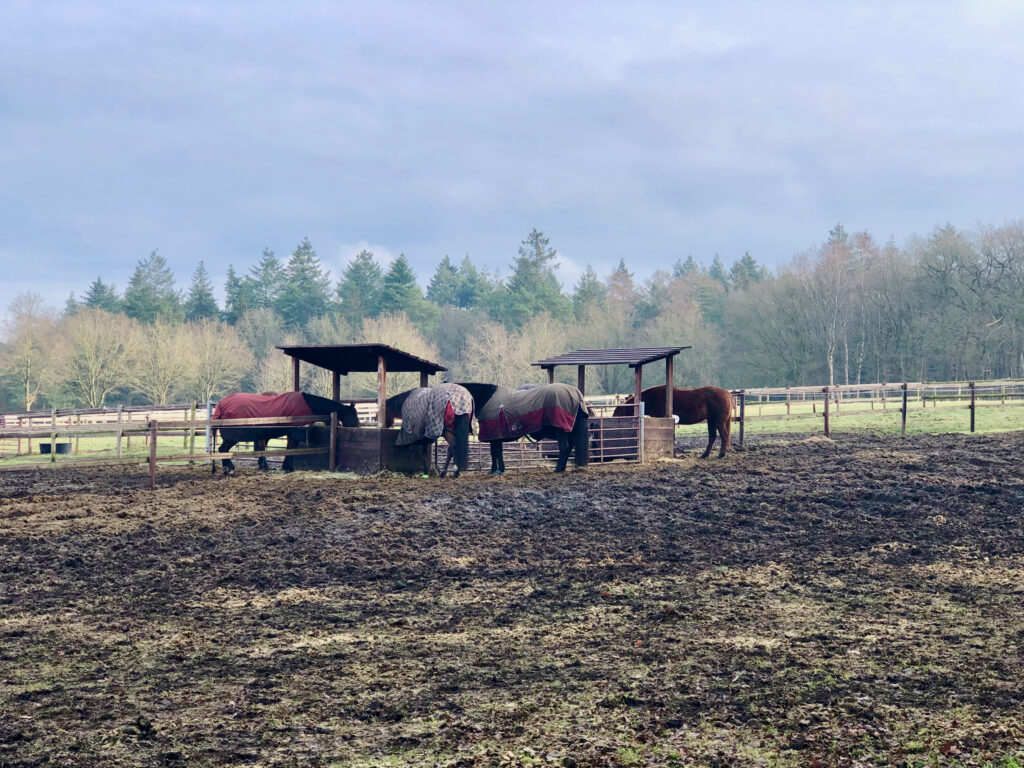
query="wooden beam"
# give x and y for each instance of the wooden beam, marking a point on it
(296, 380)
(382, 377)
(669, 386)
(638, 383)
(335, 386)
(581, 378)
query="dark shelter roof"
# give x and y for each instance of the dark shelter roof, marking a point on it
(630, 357)
(360, 358)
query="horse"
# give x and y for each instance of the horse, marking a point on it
(548, 412)
(428, 413)
(245, 405)
(691, 406)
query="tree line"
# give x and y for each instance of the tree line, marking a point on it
(848, 310)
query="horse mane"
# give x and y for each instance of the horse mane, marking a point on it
(480, 392)
(395, 402)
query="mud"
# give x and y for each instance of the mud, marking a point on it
(811, 603)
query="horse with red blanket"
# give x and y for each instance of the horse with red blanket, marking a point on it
(548, 412)
(691, 406)
(245, 405)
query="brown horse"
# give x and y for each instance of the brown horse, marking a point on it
(691, 406)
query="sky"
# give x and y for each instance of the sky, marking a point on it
(637, 131)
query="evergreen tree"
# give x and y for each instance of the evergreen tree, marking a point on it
(746, 271)
(200, 303)
(717, 272)
(685, 269)
(151, 293)
(838, 234)
(474, 285)
(401, 293)
(305, 292)
(359, 288)
(266, 278)
(445, 284)
(589, 290)
(533, 287)
(238, 296)
(71, 305)
(102, 296)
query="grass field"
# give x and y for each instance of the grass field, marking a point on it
(947, 417)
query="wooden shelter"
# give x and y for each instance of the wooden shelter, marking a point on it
(365, 450)
(656, 436)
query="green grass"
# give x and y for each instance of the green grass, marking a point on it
(947, 417)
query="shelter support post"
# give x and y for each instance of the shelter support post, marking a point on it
(638, 386)
(335, 386)
(669, 386)
(551, 374)
(581, 378)
(382, 375)
(296, 380)
(334, 442)
(424, 379)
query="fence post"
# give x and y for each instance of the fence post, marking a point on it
(120, 429)
(152, 454)
(209, 434)
(903, 412)
(641, 426)
(787, 400)
(971, 385)
(743, 412)
(825, 390)
(334, 443)
(53, 435)
(192, 433)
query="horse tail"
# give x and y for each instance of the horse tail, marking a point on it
(461, 445)
(581, 438)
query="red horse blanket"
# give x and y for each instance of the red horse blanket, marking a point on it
(512, 413)
(244, 405)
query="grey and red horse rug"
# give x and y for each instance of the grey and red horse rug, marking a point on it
(511, 413)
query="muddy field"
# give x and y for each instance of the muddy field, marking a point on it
(804, 603)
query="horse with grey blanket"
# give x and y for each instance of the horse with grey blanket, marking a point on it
(428, 413)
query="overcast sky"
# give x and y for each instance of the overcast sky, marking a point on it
(640, 130)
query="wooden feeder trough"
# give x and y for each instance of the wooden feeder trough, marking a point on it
(363, 450)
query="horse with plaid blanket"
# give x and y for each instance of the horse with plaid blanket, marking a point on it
(428, 413)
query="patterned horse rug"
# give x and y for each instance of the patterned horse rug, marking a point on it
(512, 413)
(429, 412)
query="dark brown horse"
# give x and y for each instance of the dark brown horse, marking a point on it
(691, 406)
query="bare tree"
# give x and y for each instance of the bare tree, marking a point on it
(34, 350)
(160, 360)
(102, 348)
(218, 360)
(396, 331)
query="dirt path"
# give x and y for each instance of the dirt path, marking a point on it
(858, 602)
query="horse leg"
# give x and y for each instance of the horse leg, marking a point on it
(712, 432)
(497, 457)
(723, 433)
(564, 446)
(227, 464)
(448, 460)
(261, 445)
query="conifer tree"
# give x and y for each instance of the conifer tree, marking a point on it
(359, 288)
(533, 287)
(444, 285)
(201, 303)
(589, 290)
(304, 294)
(238, 296)
(401, 293)
(474, 285)
(99, 295)
(266, 278)
(151, 293)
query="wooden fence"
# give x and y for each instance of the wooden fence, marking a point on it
(906, 398)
